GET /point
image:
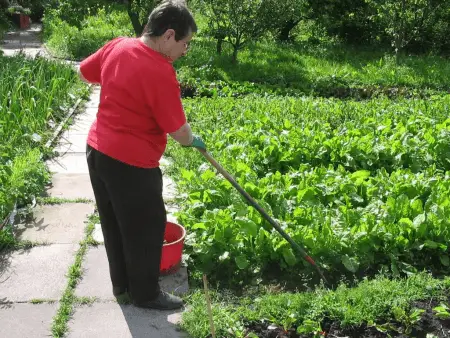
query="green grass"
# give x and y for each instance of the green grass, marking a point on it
(85, 300)
(58, 200)
(36, 93)
(370, 302)
(68, 299)
(71, 42)
(324, 70)
(9, 242)
(42, 301)
(90, 229)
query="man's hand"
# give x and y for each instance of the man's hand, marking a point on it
(197, 142)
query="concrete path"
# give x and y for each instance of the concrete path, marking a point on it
(32, 281)
(27, 41)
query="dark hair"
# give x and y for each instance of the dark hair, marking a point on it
(170, 15)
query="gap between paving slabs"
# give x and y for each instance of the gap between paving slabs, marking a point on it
(66, 303)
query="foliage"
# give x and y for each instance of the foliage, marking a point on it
(344, 18)
(362, 185)
(236, 22)
(37, 92)
(17, 9)
(75, 12)
(139, 11)
(307, 69)
(71, 42)
(36, 7)
(405, 20)
(5, 24)
(372, 302)
(281, 16)
(408, 24)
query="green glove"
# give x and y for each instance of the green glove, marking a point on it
(197, 142)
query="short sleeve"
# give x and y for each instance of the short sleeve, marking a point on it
(167, 107)
(91, 66)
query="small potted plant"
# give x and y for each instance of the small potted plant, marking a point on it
(20, 15)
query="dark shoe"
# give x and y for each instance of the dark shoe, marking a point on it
(164, 301)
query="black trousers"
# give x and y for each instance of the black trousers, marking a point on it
(133, 219)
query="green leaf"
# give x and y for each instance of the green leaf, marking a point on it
(360, 175)
(445, 260)
(402, 205)
(199, 226)
(248, 226)
(289, 256)
(350, 263)
(418, 221)
(241, 262)
(307, 195)
(251, 335)
(187, 174)
(431, 244)
(405, 223)
(417, 207)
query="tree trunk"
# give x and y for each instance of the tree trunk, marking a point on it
(286, 30)
(134, 17)
(219, 46)
(235, 53)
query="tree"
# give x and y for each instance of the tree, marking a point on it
(236, 22)
(347, 19)
(74, 11)
(138, 11)
(404, 20)
(282, 16)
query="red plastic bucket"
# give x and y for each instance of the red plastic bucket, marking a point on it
(173, 248)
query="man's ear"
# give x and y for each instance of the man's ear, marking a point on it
(169, 34)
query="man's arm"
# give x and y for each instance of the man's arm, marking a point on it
(183, 135)
(82, 78)
(80, 74)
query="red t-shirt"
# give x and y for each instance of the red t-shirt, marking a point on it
(140, 101)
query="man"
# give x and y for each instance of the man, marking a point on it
(140, 104)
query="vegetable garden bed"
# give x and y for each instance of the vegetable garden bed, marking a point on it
(363, 185)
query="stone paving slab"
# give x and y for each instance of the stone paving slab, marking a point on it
(69, 163)
(26, 320)
(26, 41)
(37, 273)
(169, 188)
(71, 186)
(29, 52)
(71, 143)
(123, 321)
(91, 110)
(94, 99)
(81, 124)
(56, 224)
(96, 280)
